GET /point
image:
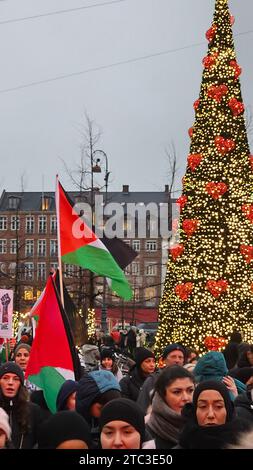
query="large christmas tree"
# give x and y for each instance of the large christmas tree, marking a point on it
(209, 284)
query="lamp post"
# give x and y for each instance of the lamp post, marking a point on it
(97, 169)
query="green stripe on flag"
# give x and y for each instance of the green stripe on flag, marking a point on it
(50, 380)
(101, 262)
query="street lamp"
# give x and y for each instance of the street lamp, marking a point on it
(97, 169)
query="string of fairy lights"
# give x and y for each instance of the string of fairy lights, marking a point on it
(209, 284)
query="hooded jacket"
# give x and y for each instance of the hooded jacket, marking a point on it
(212, 366)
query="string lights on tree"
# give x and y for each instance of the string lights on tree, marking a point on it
(91, 322)
(208, 289)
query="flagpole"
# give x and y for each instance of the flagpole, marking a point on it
(57, 203)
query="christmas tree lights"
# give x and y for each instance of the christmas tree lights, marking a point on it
(209, 284)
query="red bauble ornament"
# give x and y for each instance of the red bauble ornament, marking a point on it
(190, 226)
(194, 160)
(184, 290)
(181, 201)
(217, 92)
(251, 161)
(176, 251)
(211, 343)
(216, 190)
(236, 67)
(217, 287)
(196, 104)
(237, 107)
(190, 132)
(211, 32)
(247, 252)
(248, 211)
(210, 60)
(224, 145)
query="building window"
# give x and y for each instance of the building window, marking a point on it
(53, 224)
(29, 247)
(127, 242)
(150, 296)
(3, 247)
(14, 202)
(53, 248)
(127, 270)
(69, 270)
(41, 271)
(15, 222)
(151, 269)
(13, 246)
(136, 245)
(151, 245)
(135, 268)
(54, 266)
(28, 293)
(42, 224)
(29, 224)
(28, 272)
(3, 223)
(42, 247)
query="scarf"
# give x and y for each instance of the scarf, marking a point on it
(163, 421)
(211, 437)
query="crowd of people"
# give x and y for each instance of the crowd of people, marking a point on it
(182, 401)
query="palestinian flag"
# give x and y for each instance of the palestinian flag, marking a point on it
(80, 246)
(52, 357)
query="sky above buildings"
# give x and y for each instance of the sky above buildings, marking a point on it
(133, 65)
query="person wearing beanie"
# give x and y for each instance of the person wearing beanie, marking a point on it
(22, 354)
(95, 390)
(173, 355)
(25, 416)
(5, 430)
(173, 389)
(66, 398)
(143, 368)
(107, 362)
(211, 419)
(64, 430)
(122, 425)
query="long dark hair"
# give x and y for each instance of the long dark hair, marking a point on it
(19, 406)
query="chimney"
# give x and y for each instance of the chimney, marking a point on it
(125, 189)
(166, 190)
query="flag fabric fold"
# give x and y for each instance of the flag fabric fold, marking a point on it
(80, 246)
(52, 357)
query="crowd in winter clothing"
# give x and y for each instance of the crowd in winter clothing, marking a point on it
(189, 402)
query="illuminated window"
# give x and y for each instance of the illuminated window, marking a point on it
(28, 293)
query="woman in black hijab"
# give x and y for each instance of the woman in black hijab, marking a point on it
(212, 423)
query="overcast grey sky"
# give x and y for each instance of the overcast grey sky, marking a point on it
(140, 106)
